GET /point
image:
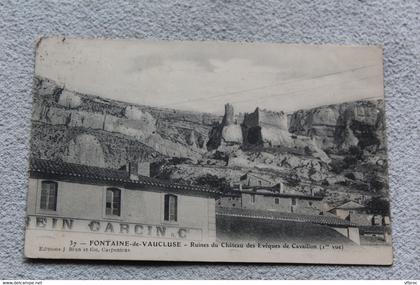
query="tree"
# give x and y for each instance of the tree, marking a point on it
(378, 206)
(213, 181)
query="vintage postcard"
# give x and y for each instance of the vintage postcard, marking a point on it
(208, 151)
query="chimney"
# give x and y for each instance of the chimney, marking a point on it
(133, 170)
(281, 187)
(138, 168)
(144, 169)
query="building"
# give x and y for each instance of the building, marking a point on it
(354, 212)
(373, 229)
(266, 213)
(264, 199)
(375, 234)
(258, 208)
(266, 225)
(251, 179)
(255, 192)
(359, 214)
(71, 197)
(343, 211)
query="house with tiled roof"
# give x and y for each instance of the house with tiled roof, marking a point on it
(72, 197)
(350, 205)
(354, 212)
(250, 179)
(343, 211)
(254, 192)
(264, 224)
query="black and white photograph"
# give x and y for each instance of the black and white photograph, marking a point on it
(208, 151)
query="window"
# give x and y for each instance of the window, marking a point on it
(276, 201)
(113, 202)
(48, 196)
(310, 203)
(293, 201)
(253, 199)
(171, 208)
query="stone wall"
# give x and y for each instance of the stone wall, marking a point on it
(271, 118)
(285, 205)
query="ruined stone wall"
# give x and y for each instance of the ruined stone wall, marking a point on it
(251, 119)
(261, 117)
(265, 127)
(271, 118)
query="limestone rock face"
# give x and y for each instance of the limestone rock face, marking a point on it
(69, 99)
(274, 136)
(139, 129)
(367, 114)
(325, 117)
(45, 87)
(349, 139)
(136, 114)
(85, 149)
(79, 119)
(191, 139)
(171, 132)
(343, 125)
(337, 148)
(232, 134)
(170, 148)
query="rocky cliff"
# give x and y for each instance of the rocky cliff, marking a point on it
(338, 149)
(341, 126)
(148, 132)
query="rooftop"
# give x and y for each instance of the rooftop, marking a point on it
(272, 191)
(97, 175)
(292, 217)
(351, 205)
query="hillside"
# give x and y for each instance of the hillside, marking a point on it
(339, 150)
(65, 122)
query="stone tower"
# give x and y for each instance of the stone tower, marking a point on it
(228, 118)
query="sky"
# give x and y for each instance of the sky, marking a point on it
(203, 76)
